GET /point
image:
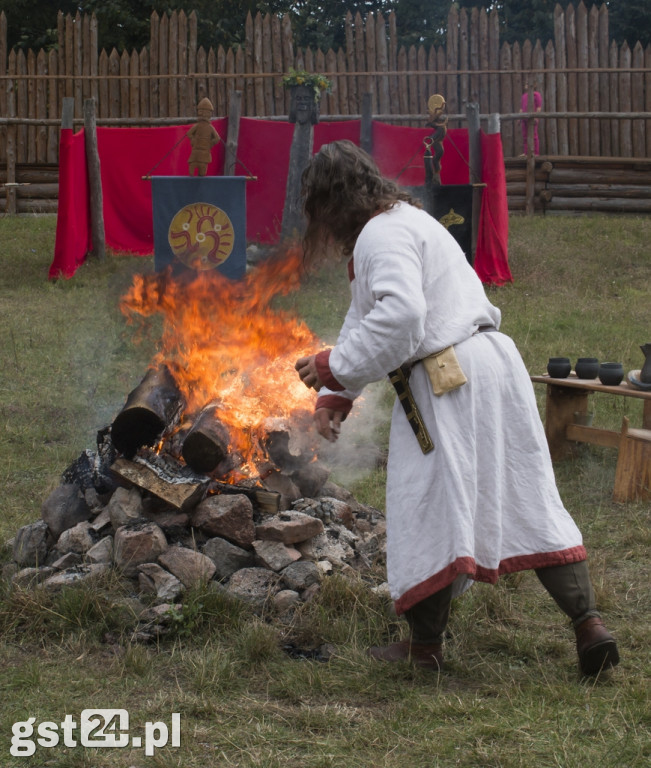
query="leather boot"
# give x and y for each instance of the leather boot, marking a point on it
(596, 647)
(425, 655)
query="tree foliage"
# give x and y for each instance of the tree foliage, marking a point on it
(124, 24)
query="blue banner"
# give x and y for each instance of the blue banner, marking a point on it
(200, 223)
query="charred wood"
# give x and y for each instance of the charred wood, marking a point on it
(206, 444)
(153, 406)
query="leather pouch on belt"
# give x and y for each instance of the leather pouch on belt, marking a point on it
(444, 371)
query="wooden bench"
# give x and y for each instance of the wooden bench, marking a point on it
(568, 397)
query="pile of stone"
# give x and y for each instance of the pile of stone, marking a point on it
(102, 517)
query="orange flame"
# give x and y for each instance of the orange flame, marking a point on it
(224, 343)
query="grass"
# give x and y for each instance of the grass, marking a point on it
(511, 696)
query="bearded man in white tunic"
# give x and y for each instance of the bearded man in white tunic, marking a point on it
(474, 495)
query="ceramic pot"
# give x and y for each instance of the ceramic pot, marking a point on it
(587, 368)
(611, 374)
(559, 367)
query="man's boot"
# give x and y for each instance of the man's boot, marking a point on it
(425, 655)
(596, 647)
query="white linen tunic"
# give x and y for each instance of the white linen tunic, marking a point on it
(484, 501)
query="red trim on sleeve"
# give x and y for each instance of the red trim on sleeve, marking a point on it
(335, 403)
(351, 269)
(322, 362)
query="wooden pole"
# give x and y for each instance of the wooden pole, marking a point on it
(98, 240)
(474, 161)
(12, 130)
(366, 128)
(531, 157)
(234, 114)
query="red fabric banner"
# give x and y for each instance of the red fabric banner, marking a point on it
(73, 234)
(491, 255)
(129, 154)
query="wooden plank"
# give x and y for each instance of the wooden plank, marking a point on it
(248, 86)
(78, 61)
(342, 83)
(217, 86)
(173, 66)
(494, 61)
(507, 100)
(277, 66)
(549, 101)
(143, 66)
(464, 58)
(517, 95)
(382, 52)
(180, 495)
(186, 98)
(12, 139)
(125, 64)
(370, 61)
(85, 56)
(61, 57)
(134, 84)
(593, 79)
(561, 78)
(232, 138)
(194, 93)
(4, 85)
(594, 435)
(31, 106)
(421, 81)
(538, 63)
(360, 61)
(633, 471)
(41, 106)
(647, 96)
(604, 87)
(93, 52)
(412, 81)
(154, 53)
(98, 246)
(257, 66)
(393, 61)
(582, 78)
(403, 84)
(240, 82)
(200, 87)
(637, 102)
(22, 107)
(452, 61)
(613, 56)
(104, 87)
(69, 57)
(604, 204)
(52, 110)
(268, 66)
(288, 54)
(484, 91)
(572, 81)
(163, 65)
(593, 385)
(114, 84)
(474, 56)
(625, 102)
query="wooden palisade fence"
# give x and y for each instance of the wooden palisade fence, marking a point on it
(596, 94)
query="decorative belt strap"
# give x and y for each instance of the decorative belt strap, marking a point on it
(400, 380)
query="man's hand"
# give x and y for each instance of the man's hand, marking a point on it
(306, 367)
(328, 423)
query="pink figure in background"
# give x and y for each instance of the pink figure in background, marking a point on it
(524, 107)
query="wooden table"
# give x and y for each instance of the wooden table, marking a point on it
(568, 397)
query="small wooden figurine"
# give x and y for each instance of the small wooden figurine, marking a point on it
(203, 138)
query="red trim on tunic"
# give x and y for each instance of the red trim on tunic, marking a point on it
(351, 269)
(335, 403)
(322, 362)
(467, 565)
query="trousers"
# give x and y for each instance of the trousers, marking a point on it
(569, 586)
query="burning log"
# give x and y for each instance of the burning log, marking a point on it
(206, 444)
(151, 407)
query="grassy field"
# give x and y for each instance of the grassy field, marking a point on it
(511, 695)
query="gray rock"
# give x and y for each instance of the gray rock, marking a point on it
(27, 578)
(289, 527)
(227, 557)
(69, 560)
(31, 544)
(75, 575)
(153, 578)
(311, 478)
(63, 508)
(124, 507)
(253, 585)
(102, 522)
(228, 516)
(190, 567)
(275, 555)
(77, 539)
(136, 544)
(102, 552)
(327, 546)
(299, 576)
(285, 600)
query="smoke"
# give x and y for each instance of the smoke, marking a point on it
(363, 442)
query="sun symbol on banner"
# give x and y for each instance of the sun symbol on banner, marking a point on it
(201, 236)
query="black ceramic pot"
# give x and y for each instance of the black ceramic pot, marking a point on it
(559, 367)
(587, 368)
(611, 374)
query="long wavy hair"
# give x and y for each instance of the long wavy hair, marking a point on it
(342, 189)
